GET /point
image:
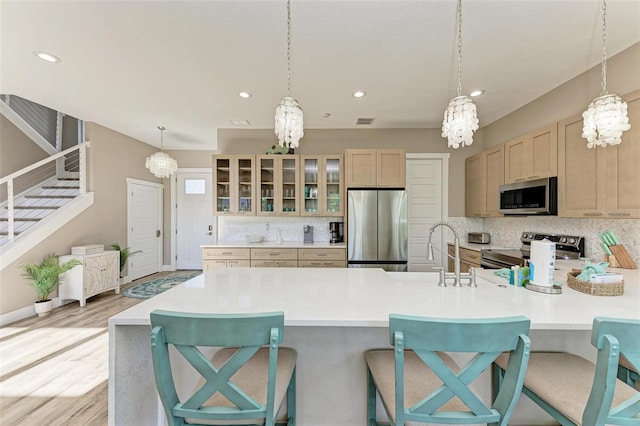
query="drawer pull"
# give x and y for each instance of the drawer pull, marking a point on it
(226, 253)
(321, 254)
(619, 214)
(593, 214)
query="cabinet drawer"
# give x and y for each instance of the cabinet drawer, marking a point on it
(262, 263)
(322, 264)
(322, 254)
(238, 264)
(267, 254)
(226, 253)
(471, 256)
(213, 264)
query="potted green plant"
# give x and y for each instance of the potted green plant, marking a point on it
(45, 278)
(125, 253)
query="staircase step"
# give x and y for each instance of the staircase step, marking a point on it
(69, 178)
(21, 219)
(36, 207)
(60, 187)
(51, 196)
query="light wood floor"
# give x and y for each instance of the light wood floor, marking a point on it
(54, 369)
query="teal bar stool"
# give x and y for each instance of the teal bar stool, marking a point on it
(417, 380)
(246, 380)
(575, 391)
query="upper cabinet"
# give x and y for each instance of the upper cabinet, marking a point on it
(278, 184)
(599, 182)
(322, 190)
(233, 184)
(532, 156)
(484, 174)
(375, 168)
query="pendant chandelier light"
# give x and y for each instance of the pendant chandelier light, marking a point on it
(460, 117)
(160, 163)
(288, 125)
(606, 117)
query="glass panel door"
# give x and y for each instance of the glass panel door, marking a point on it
(333, 186)
(222, 175)
(289, 189)
(311, 169)
(266, 170)
(245, 182)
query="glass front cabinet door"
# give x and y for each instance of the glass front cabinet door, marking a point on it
(278, 184)
(322, 189)
(233, 183)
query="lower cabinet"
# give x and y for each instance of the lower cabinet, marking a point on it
(213, 258)
(98, 273)
(468, 259)
(274, 258)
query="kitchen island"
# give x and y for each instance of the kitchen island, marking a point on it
(332, 316)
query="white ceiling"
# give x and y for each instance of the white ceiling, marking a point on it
(134, 65)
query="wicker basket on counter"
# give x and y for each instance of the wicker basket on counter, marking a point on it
(610, 289)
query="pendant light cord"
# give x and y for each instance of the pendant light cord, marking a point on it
(459, 23)
(289, 48)
(604, 48)
(162, 129)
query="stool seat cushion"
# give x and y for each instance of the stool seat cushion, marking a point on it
(419, 380)
(564, 381)
(252, 379)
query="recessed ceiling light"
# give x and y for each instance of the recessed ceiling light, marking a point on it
(359, 94)
(244, 95)
(48, 57)
(476, 93)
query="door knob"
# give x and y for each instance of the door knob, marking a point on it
(157, 232)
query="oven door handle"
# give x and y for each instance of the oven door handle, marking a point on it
(489, 264)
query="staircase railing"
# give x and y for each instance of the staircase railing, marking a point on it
(42, 170)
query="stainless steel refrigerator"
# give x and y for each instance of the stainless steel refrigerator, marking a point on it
(377, 229)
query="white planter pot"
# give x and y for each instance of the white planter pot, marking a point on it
(43, 308)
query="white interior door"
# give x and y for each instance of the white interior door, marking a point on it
(425, 205)
(144, 203)
(194, 218)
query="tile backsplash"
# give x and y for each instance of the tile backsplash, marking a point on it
(506, 231)
(235, 229)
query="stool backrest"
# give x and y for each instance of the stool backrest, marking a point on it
(189, 331)
(487, 338)
(612, 337)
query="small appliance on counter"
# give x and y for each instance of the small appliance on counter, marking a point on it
(336, 230)
(479, 237)
(308, 233)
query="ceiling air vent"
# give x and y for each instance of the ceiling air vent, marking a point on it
(364, 121)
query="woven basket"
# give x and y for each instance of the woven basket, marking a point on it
(612, 289)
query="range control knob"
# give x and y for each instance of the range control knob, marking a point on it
(563, 240)
(572, 240)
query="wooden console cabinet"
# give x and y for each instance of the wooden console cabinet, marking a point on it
(98, 273)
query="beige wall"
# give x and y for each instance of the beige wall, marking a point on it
(112, 158)
(568, 99)
(17, 150)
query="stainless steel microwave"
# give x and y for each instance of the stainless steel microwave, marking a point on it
(532, 197)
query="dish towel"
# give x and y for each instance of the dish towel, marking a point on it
(504, 273)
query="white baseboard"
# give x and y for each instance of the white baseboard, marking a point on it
(22, 313)
(168, 268)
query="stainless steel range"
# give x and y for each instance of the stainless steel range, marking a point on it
(567, 247)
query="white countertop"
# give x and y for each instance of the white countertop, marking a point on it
(355, 297)
(275, 244)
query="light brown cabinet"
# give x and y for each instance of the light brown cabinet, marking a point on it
(532, 156)
(484, 174)
(227, 257)
(322, 189)
(599, 182)
(274, 258)
(468, 259)
(233, 185)
(375, 168)
(322, 258)
(277, 182)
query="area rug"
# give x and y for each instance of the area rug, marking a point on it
(147, 289)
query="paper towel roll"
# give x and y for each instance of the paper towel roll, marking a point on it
(542, 263)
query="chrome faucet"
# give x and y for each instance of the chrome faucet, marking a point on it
(456, 275)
